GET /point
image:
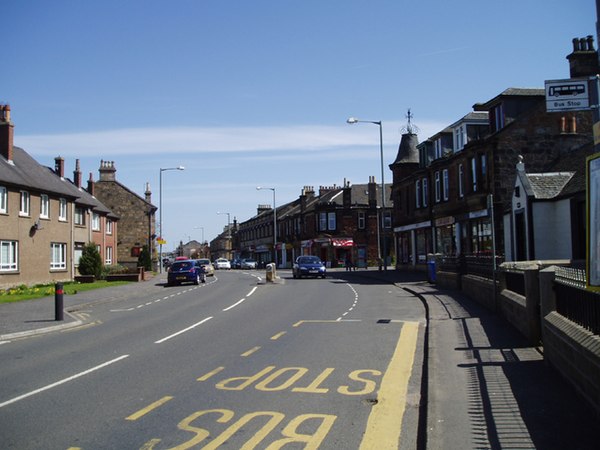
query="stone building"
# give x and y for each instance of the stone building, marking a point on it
(137, 215)
(450, 194)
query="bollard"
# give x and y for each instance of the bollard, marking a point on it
(58, 301)
(270, 272)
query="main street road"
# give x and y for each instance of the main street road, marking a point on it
(234, 363)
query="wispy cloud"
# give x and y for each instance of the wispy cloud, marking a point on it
(207, 140)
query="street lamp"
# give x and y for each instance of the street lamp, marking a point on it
(228, 233)
(353, 120)
(259, 188)
(160, 210)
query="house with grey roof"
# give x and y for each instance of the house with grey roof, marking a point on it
(547, 215)
(42, 216)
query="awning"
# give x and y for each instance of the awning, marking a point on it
(342, 242)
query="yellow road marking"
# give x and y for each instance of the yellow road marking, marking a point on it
(210, 374)
(384, 425)
(249, 352)
(278, 335)
(147, 409)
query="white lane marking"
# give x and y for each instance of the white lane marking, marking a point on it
(183, 331)
(234, 305)
(66, 380)
(252, 291)
(353, 304)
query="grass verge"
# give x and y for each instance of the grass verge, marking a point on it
(22, 293)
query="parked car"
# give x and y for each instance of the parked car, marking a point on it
(236, 264)
(208, 267)
(222, 264)
(186, 271)
(308, 266)
(248, 263)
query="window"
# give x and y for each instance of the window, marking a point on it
(461, 181)
(62, 209)
(109, 254)
(44, 206)
(460, 138)
(3, 200)
(483, 164)
(9, 252)
(331, 221)
(437, 187)
(418, 194)
(387, 219)
(497, 119)
(79, 216)
(438, 148)
(58, 256)
(361, 220)
(109, 226)
(95, 221)
(425, 192)
(25, 203)
(445, 184)
(322, 221)
(473, 175)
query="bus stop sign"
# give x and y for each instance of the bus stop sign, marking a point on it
(567, 95)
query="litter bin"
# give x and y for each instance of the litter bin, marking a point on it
(431, 270)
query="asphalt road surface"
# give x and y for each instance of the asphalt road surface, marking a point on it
(233, 363)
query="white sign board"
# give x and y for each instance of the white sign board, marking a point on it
(567, 95)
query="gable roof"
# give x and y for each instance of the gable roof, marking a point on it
(546, 186)
(25, 172)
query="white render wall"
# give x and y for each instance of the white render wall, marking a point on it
(552, 230)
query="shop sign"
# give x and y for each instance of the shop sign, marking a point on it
(478, 214)
(413, 226)
(342, 242)
(444, 221)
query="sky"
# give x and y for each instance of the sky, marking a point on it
(257, 93)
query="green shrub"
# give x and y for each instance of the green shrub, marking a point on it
(90, 262)
(145, 259)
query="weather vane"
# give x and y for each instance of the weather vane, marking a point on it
(410, 128)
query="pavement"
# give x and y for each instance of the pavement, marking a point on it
(38, 316)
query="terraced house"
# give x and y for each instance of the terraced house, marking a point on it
(46, 218)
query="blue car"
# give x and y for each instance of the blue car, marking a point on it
(187, 271)
(308, 266)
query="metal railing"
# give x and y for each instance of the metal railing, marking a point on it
(479, 265)
(574, 301)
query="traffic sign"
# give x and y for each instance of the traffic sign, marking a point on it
(571, 94)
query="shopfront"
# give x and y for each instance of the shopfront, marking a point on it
(414, 242)
(445, 236)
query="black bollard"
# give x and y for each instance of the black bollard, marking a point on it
(58, 301)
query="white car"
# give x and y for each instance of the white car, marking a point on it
(248, 263)
(222, 264)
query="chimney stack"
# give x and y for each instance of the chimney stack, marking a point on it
(372, 188)
(59, 166)
(77, 174)
(6, 133)
(583, 62)
(107, 171)
(148, 193)
(90, 185)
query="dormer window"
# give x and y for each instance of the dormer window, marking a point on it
(497, 118)
(460, 137)
(438, 151)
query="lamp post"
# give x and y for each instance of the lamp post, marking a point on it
(228, 250)
(259, 188)
(382, 243)
(160, 211)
